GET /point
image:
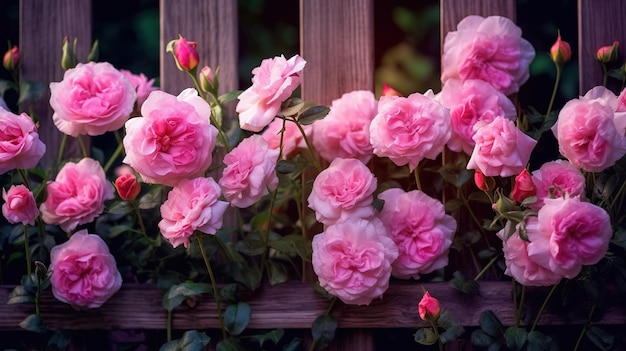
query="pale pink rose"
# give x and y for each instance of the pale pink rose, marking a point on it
(345, 131)
(20, 146)
(420, 228)
(19, 205)
(352, 260)
(250, 172)
(490, 49)
(93, 98)
(501, 149)
(469, 102)
(173, 140)
(591, 134)
(192, 205)
(621, 101)
(407, 130)
(343, 190)
(293, 141)
(77, 195)
(571, 233)
(142, 85)
(521, 267)
(557, 179)
(83, 271)
(272, 83)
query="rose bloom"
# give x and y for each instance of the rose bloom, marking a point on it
(352, 260)
(192, 205)
(173, 140)
(420, 228)
(571, 233)
(519, 265)
(83, 271)
(621, 101)
(77, 195)
(490, 49)
(429, 308)
(20, 146)
(345, 131)
(407, 130)
(93, 98)
(142, 85)
(501, 149)
(344, 189)
(524, 187)
(591, 134)
(19, 205)
(250, 172)
(293, 141)
(272, 83)
(557, 179)
(469, 102)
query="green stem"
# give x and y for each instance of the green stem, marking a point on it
(418, 183)
(605, 75)
(308, 145)
(585, 328)
(169, 326)
(489, 264)
(61, 150)
(116, 154)
(436, 331)
(515, 305)
(29, 268)
(543, 306)
(266, 236)
(83, 148)
(555, 89)
(139, 219)
(619, 194)
(214, 121)
(518, 312)
(214, 285)
(24, 176)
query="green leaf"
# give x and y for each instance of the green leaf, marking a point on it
(293, 345)
(152, 199)
(323, 329)
(286, 167)
(451, 334)
(60, 340)
(293, 244)
(30, 92)
(230, 96)
(313, 114)
(538, 341)
(490, 324)
(237, 317)
(459, 282)
(277, 272)
(244, 273)
(291, 107)
(20, 295)
(515, 338)
(251, 245)
(34, 323)
(178, 293)
(425, 336)
(6, 85)
(120, 208)
(482, 339)
(273, 336)
(192, 340)
(600, 338)
(119, 229)
(229, 344)
(453, 205)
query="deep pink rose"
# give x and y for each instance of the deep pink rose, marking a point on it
(571, 233)
(469, 102)
(192, 205)
(557, 179)
(429, 308)
(352, 260)
(345, 131)
(142, 85)
(127, 186)
(93, 98)
(420, 228)
(250, 172)
(272, 83)
(407, 130)
(490, 49)
(590, 132)
(19, 205)
(20, 146)
(343, 190)
(293, 141)
(524, 187)
(501, 149)
(77, 195)
(521, 267)
(84, 273)
(173, 140)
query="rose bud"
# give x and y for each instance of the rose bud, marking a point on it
(11, 58)
(389, 91)
(185, 53)
(560, 52)
(483, 183)
(524, 187)
(206, 77)
(127, 186)
(429, 308)
(608, 54)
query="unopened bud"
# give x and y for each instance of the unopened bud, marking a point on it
(389, 91)
(127, 186)
(11, 58)
(206, 77)
(560, 52)
(184, 52)
(524, 187)
(94, 53)
(68, 59)
(608, 54)
(482, 182)
(429, 308)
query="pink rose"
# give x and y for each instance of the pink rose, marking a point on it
(127, 186)
(420, 228)
(469, 102)
(524, 187)
(84, 273)
(273, 82)
(557, 179)
(142, 85)
(621, 101)
(407, 130)
(343, 190)
(77, 195)
(519, 265)
(590, 132)
(352, 260)
(501, 149)
(19, 205)
(345, 131)
(571, 233)
(490, 49)
(93, 98)
(250, 172)
(20, 147)
(173, 140)
(429, 308)
(293, 141)
(191, 205)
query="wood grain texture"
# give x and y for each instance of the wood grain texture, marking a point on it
(43, 25)
(337, 41)
(293, 306)
(452, 11)
(600, 22)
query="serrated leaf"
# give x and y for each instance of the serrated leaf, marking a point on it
(237, 317)
(19, 295)
(490, 324)
(425, 336)
(273, 336)
(277, 273)
(291, 107)
(515, 338)
(151, 199)
(313, 114)
(34, 323)
(324, 328)
(30, 92)
(178, 293)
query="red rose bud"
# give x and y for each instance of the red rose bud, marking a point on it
(389, 91)
(185, 53)
(127, 186)
(206, 77)
(524, 187)
(608, 54)
(429, 308)
(560, 52)
(483, 183)
(11, 58)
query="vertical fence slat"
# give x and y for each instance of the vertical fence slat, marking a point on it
(599, 24)
(452, 11)
(43, 25)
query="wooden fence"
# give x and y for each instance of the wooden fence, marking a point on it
(337, 42)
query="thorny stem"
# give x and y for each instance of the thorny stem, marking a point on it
(214, 285)
(543, 306)
(585, 328)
